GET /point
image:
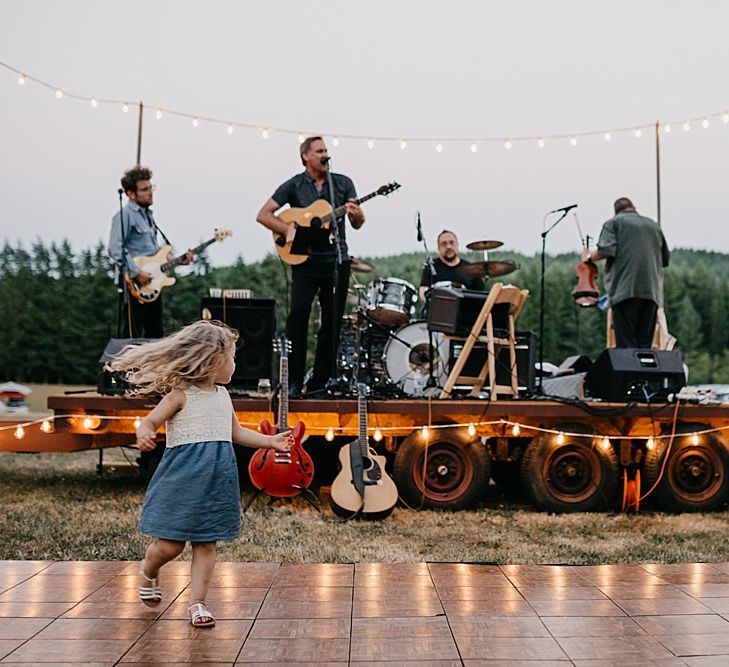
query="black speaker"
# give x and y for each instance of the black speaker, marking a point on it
(631, 374)
(453, 310)
(112, 383)
(526, 352)
(255, 320)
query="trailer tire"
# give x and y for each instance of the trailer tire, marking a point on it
(695, 478)
(456, 474)
(576, 476)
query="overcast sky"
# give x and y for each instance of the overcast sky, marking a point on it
(379, 68)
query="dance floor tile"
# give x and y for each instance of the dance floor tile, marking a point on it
(69, 650)
(22, 628)
(518, 663)
(24, 567)
(380, 581)
(576, 608)
(509, 626)
(167, 581)
(698, 578)
(237, 594)
(406, 663)
(593, 626)
(393, 628)
(34, 609)
(663, 606)
(623, 592)
(691, 624)
(403, 648)
(114, 610)
(400, 595)
(379, 608)
(95, 628)
(629, 650)
(717, 605)
(182, 629)
(303, 609)
(708, 661)
(323, 595)
(294, 650)
(705, 590)
(402, 570)
(510, 648)
(300, 628)
(292, 664)
(87, 568)
(695, 644)
(488, 608)
(220, 609)
(562, 593)
(184, 650)
(478, 593)
(7, 646)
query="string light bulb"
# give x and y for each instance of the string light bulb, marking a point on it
(335, 141)
(87, 422)
(137, 422)
(667, 128)
(370, 143)
(377, 434)
(471, 429)
(46, 426)
(605, 443)
(229, 129)
(507, 145)
(158, 114)
(540, 143)
(301, 138)
(560, 438)
(264, 133)
(19, 432)
(403, 145)
(650, 444)
(21, 80)
(425, 432)
(474, 148)
(705, 123)
(439, 148)
(195, 122)
(638, 134)
(573, 141)
(329, 434)
(125, 108)
(694, 439)
(59, 93)
(725, 118)
(608, 137)
(94, 102)
(686, 126)
(515, 430)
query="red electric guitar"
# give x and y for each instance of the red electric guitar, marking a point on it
(282, 474)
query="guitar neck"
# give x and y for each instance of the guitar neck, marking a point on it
(178, 260)
(362, 406)
(283, 404)
(341, 210)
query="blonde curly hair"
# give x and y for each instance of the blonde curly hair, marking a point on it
(185, 359)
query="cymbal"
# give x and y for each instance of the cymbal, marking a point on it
(484, 245)
(486, 269)
(360, 266)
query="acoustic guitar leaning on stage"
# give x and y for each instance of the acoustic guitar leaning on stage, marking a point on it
(157, 266)
(362, 487)
(282, 474)
(317, 215)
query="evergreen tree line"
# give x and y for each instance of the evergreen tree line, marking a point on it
(58, 308)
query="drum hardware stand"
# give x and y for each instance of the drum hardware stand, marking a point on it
(431, 383)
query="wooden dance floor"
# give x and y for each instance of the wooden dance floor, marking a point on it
(425, 614)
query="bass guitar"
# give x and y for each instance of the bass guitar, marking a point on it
(362, 487)
(157, 266)
(282, 474)
(318, 215)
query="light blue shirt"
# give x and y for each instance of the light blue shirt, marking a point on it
(140, 234)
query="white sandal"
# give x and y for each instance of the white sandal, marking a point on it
(198, 611)
(150, 595)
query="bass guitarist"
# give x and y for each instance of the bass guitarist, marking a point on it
(134, 233)
(315, 276)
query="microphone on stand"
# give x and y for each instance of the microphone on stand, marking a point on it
(420, 229)
(325, 161)
(120, 191)
(564, 209)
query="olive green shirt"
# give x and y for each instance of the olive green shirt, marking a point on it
(636, 254)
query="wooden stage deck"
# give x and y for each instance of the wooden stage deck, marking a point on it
(434, 614)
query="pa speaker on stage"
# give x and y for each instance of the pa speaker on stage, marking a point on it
(255, 320)
(632, 374)
(113, 383)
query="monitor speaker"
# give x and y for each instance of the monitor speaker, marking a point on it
(255, 320)
(453, 311)
(631, 374)
(112, 383)
(526, 347)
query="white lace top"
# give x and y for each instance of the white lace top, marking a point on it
(206, 417)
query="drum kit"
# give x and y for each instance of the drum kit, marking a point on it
(382, 344)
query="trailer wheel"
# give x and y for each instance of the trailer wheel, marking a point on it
(695, 477)
(575, 476)
(456, 472)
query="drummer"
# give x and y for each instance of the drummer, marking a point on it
(448, 267)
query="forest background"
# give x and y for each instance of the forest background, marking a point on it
(58, 308)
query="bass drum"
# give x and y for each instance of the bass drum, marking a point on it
(407, 358)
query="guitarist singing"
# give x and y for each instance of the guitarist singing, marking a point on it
(315, 276)
(134, 234)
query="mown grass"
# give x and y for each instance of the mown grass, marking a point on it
(54, 506)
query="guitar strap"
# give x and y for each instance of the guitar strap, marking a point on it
(357, 465)
(155, 226)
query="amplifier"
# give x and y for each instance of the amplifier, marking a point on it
(111, 383)
(526, 355)
(631, 374)
(453, 310)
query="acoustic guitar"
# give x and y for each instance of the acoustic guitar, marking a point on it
(362, 487)
(282, 474)
(157, 266)
(318, 215)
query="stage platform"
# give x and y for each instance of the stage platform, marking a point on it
(425, 614)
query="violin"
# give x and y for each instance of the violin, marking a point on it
(585, 293)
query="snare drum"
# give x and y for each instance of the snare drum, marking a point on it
(391, 301)
(407, 358)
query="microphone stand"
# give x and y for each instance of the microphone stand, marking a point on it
(122, 288)
(542, 291)
(431, 348)
(336, 323)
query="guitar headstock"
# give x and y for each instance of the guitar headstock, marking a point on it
(282, 346)
(388, 189)
(222, 234)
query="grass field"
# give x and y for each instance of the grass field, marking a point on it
(55, 506)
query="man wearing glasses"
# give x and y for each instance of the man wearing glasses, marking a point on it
(134, 233)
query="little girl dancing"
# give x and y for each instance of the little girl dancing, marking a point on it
(193, 495)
